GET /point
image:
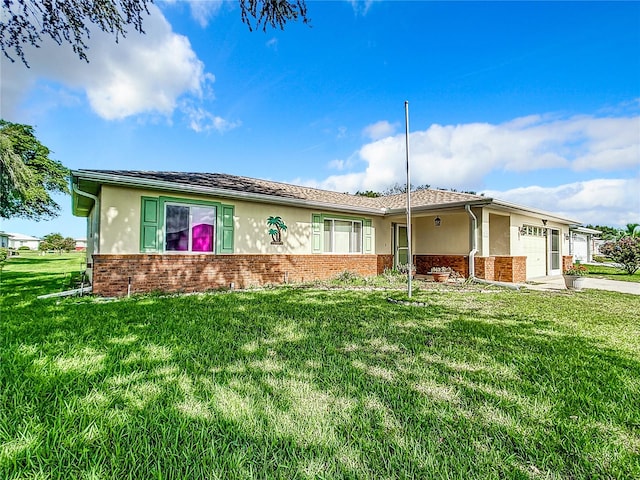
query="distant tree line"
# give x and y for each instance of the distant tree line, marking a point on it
(398, 188)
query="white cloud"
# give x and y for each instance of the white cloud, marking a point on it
(361, 7)
(337, 164)
(272, 43)
(203, 11)
(200, 120)
(142, 74)
(598, 202)
(379, 130)
(460, 156)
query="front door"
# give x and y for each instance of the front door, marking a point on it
(554, 259)
(401, 256)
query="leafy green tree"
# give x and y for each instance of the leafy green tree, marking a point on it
(68, 244)
(608, 233)
(27, 175)
(632, 230)
(625, 251)
(52, 241)
(69, 21)
(368, 193)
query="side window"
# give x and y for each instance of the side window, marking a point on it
(177, 225)
(189, 228)
(340, 235)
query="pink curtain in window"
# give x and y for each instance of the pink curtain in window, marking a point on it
(202, 238)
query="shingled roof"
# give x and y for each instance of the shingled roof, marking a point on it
(218, 182)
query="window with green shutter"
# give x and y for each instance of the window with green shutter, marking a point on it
(171, 224)
(340, 234)
(149, 225)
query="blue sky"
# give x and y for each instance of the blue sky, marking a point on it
(532, 103)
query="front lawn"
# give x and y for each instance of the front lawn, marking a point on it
(317, 383)
(612, 273)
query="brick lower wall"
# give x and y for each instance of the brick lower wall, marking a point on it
(498, 268)
(510, 269)
(195, 273)
(458, 263)
(485, 267)
(385, 262)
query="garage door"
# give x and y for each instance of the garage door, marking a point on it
(534, 247)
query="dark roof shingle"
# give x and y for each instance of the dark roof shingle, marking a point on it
(233, 183)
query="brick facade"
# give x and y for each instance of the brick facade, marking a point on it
(114, 274)
(500, 268)
(567, 261)
(385, 262)
(510, 269)
(457, 263)
(485, 267)
(195, 273)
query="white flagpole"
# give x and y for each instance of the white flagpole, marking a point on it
(409, 254)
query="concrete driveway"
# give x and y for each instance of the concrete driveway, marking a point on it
(557, 283)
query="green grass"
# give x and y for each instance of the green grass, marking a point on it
(317, 383)
(612, 273)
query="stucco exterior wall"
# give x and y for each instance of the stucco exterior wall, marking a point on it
(120, 224)
(450, 238)
(499, 234)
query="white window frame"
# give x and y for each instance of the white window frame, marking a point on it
(352, 240)
(190, 236)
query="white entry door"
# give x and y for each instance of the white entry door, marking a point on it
(401, 243)
(554, 258)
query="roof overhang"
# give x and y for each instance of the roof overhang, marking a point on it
(512, 207)
(440, 208)
(588, 231)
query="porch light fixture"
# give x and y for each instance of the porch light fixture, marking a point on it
(437, 221)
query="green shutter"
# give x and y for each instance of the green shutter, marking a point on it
(226, 234)
(316, 233)
(367, 236)
(149, 225)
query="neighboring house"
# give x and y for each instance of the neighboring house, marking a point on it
(17, 240)
(583, 243)
(176, 231)
(81, 244)
(4, 240)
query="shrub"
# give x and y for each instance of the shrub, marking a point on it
(625, 251)
(24, 248)
(4, 253)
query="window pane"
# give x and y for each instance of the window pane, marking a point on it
(202, 221)
(177, 228)
(341, 236)
(356, 238)
(328, 246)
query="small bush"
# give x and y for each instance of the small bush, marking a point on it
(600, 259)
(4, 253)
(24, 248)
(349, 278)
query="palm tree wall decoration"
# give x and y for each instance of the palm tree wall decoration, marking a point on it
(276, 233)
